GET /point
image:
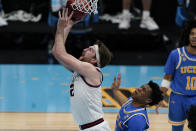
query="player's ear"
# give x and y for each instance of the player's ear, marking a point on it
(148, 100)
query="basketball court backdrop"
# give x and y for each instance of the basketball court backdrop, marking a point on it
(45, 88)
(36, 97)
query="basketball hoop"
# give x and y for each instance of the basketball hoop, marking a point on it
(86, 6)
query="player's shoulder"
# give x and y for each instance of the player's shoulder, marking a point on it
(91, 69)
(138, 117)
(139, 122)
(175, 52)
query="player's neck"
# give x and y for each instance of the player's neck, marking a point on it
(137, 104)
(191, 50)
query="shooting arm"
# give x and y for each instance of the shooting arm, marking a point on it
(64, 26)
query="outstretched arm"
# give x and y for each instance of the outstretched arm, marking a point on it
(64, 26)
(115, 88)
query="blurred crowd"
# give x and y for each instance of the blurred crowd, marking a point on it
(32, 11)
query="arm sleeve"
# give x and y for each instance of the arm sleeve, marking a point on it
(137, 123)
(171, 63)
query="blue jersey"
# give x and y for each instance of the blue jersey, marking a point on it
(132, 118)
(182, 66)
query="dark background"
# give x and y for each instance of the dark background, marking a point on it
(29, 43)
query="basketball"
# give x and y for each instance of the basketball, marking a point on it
(77, 15)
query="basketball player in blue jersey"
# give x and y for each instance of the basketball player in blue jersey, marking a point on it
(133, 115)
(85, 88)
(180, 76)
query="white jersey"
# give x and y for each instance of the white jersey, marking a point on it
(86, 104)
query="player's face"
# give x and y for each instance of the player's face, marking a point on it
(88, 54)
(192, 37)
(142, 94)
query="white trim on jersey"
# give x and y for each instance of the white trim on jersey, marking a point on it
(180, 59)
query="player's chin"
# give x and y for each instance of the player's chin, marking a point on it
(81, 58)
(193, 44)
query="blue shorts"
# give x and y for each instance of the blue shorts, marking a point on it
(178, 107)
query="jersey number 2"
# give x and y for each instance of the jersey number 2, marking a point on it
(72, 90)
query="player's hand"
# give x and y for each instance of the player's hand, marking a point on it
(158, 106)
(116, 82)
(65, 19)
(164, 90)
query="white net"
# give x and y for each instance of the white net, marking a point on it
(86, 6)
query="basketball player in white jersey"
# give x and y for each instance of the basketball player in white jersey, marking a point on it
(85, 89)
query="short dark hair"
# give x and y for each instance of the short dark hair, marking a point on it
(191, 117)
(156, 95)
(184, 39)
(104, 53)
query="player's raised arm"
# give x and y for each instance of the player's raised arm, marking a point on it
(64, 26)
(115, 88)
